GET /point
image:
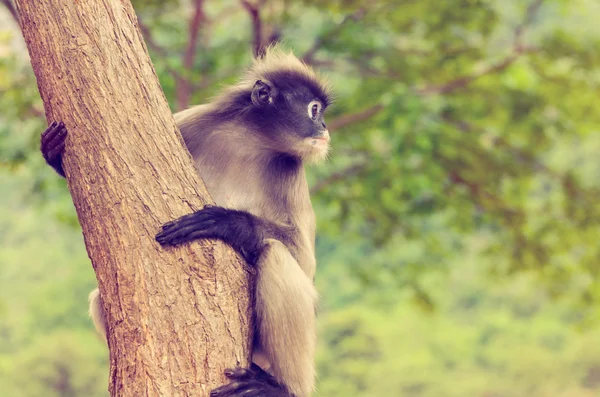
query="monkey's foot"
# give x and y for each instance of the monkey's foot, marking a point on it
(53, 145)
(253, 382)
(235, 228)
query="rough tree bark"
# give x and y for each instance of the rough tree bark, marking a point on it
(177, 317)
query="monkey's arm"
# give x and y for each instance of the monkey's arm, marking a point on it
(245, 232)
(53, 145)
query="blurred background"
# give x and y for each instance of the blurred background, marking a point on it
(458, 216)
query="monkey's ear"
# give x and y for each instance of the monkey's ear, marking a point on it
(263, 93)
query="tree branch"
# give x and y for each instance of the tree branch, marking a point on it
(464, 81)
(499, 142)
(257, 25)
(337, 176)
(183, 90)
(147, 33)
(351, 118)
(478, 193)
(530, 14)
(517, 50)
(309, 55)
(154, 46)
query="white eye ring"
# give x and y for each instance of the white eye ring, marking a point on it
(314, 108)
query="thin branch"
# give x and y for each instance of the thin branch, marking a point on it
(517, 50)
(532, 10)
(12, 10)
(337, 176)
(184, 88)
(194, 28)
(257, 25)
(225, 13)
(478, 193)
(522, 157)
(149, 39)
(154, 46)
(519, 154)
(351, 118)
(36, 112)
(309, 55)
(466, 80)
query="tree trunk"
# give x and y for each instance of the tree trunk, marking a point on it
(177, 317)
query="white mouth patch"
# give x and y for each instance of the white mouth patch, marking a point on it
(318, 141)
(317, 148)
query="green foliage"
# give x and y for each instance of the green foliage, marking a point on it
(458, 215)
(61, 364)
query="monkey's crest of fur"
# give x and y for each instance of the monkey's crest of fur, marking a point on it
(277, 61)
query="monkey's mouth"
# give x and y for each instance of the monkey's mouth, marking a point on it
(319, 144)
(320, 140)
(316, 148)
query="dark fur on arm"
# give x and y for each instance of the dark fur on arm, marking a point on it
(240, 229)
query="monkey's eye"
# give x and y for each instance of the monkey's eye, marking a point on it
(313, 109)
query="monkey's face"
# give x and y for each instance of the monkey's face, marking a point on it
(303, 127)
(294, 117)
(313, 133)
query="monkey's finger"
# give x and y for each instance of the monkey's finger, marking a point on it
(53, 127)
(175, 229)
(254, 373)
(179, 220)
(53, 130)
(239, 373)
(187, 227)
(50, 132)
(227, 390)
(239, 389)
(55, 152)
(193, 235)
(182, 235)
(187, 223)
(196, 217)
(54, 139)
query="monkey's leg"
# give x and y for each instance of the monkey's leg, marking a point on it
(285, 315)
(53, 145)
(253, 382)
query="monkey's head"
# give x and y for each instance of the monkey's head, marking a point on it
(286, 106)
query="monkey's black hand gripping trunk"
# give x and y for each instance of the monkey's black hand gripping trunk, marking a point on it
(239, 229)
(53, 144)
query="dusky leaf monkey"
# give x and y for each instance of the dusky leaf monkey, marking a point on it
(250, 145)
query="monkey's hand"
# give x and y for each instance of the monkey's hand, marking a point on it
(53, 144)
(253, 382)
(236, 228)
